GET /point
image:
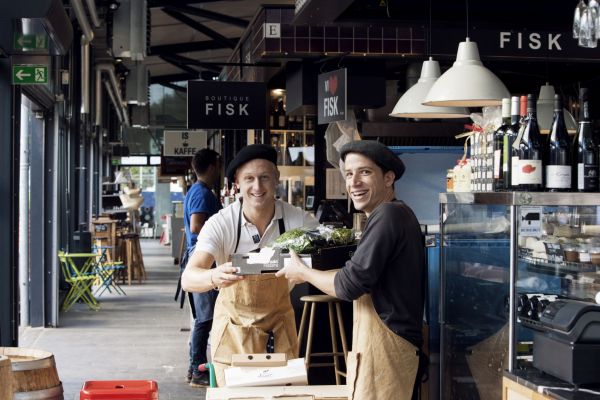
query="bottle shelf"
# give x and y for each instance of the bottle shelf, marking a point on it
(561, 269)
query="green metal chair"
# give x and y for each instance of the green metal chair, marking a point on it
(81, 279)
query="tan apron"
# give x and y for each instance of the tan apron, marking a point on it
(244, 313)
(382, 364)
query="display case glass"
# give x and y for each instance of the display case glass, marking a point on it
(504, 258)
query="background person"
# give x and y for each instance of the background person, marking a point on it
(199, 205)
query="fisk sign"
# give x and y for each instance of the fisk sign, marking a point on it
(227, 105)
(332, 96)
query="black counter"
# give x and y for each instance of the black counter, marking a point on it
(534, 379)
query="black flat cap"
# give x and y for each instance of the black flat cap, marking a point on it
(249, 153)
(379, 153)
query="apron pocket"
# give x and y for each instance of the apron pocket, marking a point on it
(238, 339)
(352, 373)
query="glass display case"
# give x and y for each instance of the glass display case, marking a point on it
(504, 258)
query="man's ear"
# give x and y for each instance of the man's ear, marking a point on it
(388, 178)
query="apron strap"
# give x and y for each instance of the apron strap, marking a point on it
(239, 227)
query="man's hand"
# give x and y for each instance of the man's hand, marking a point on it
(295, 271)
(224, 275)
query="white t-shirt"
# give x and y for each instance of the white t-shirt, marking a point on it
(218, 235)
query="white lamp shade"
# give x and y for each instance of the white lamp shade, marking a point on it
(410, 105)
(545, 110)
(467, 83)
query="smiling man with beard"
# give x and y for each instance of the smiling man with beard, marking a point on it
(385, 278)
(251, 312)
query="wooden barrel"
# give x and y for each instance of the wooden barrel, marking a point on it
(34, 374)
(6, 391)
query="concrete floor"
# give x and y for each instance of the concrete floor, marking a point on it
(138, 336)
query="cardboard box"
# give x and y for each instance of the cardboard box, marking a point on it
(325, 392)
(259, 360)
(294, 373)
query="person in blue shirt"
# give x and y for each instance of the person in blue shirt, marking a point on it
(199, 205)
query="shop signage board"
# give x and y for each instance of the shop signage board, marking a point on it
(332, 95)
(530, 221)
(226, 105)
(30, 42)
(513, 44)
(29, 74)
(183, 143)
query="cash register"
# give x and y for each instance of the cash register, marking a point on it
(566, 342)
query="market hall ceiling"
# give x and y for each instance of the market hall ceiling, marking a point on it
(190, 38)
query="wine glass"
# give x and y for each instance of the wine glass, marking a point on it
(587, 31)
(594, 6)
(577, 19)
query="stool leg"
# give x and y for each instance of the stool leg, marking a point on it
(334, 349)
(130, 261)
(302, 325)
(338, 310)
(311, 325)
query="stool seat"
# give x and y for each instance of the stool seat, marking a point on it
(319, 298)
(309, 315)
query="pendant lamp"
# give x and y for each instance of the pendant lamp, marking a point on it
(410, 105)
(468, 83)
(545, 110)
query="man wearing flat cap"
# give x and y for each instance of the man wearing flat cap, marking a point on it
(251, 312)
(385, 278)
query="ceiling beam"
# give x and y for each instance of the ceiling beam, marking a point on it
(188, 47)
(181, 66)
(189, 61)
(242, 23)
(160, 79)
(165, 3)
(199, 27)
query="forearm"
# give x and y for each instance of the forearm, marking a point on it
(197, 276)
(322, 280)
(197, 280)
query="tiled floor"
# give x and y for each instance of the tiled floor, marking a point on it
(138, 336)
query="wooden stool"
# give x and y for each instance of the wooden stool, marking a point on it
(133, 258)
(330, 300)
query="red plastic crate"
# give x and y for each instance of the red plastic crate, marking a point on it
(119, 390)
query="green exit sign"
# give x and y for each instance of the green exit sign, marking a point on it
(29, 74)
(30, 42)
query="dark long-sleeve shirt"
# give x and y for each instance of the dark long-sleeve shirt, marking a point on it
(389, 264)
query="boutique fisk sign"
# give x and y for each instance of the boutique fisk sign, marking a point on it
(226, 105)
(331, 101)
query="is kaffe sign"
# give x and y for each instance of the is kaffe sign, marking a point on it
(183, 143)
(331, 102)
(513, 44)
(226, 105)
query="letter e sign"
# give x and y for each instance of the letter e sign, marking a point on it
(272, 30)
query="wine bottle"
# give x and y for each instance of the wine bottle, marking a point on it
(498, 145)
(585, 156)
(558, 152)
(509, 138)
(514, 182)
(529, 164)
(281, 114)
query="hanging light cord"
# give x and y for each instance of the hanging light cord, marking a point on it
(467, 5)
(429, 47)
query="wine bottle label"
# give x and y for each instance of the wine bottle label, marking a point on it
(506, 150)
(558, 176)
(497, 157)
(528, 172)
(587, 177)
(513, 167)
(281, 121)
